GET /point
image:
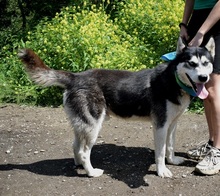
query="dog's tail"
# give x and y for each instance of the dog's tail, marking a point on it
(40, 73)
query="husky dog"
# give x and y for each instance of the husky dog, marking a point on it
(160, 94)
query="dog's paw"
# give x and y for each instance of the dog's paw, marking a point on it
(95, 173)
(176, 160)
(164, 173)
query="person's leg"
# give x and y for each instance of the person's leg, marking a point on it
(208, 114)
(215, 95)
(211, 163)
(212, 109)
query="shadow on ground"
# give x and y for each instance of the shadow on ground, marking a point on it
(127, 164)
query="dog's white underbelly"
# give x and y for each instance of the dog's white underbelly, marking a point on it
(110, 114)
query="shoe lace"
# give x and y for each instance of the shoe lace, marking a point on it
(202, 149)
(213, 156)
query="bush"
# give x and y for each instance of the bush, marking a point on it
(80, 38)
(15, 86)
(153, 22)
(77, 41)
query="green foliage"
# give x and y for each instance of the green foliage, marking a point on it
(197, 106)
(153, 22)
(79, 40)
(13, 90)
(19, 16)
(129, 35)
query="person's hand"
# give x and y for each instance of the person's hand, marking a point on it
(197, 40)
(183, 33)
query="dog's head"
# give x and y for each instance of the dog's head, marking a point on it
(195, 64)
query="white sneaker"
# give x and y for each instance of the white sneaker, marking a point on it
(210, 164)
(199, 152)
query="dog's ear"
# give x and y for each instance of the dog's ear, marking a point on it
(210, 46)
(181, 44)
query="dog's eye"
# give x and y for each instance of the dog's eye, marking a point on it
(192, 64)
(206, 63)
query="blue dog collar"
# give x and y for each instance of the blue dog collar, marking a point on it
(168, 56)
(185, 87)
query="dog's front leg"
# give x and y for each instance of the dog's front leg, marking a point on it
(160, 149)
(171, 158)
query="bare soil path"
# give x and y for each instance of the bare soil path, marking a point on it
(36, 157)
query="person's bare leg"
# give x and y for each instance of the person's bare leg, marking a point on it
(212, 109)
(210, 165)
(208, 115)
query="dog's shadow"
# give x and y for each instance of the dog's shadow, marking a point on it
(127, 164)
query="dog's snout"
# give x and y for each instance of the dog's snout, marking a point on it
(203, 78)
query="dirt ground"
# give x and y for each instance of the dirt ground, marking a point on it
(36, 157)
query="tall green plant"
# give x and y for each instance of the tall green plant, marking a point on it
(155, 22)
(85, 39)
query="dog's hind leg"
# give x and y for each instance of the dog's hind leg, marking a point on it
(85, 138)
(78, 144)
(86, 110)
(82, 151)
(171, 158)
